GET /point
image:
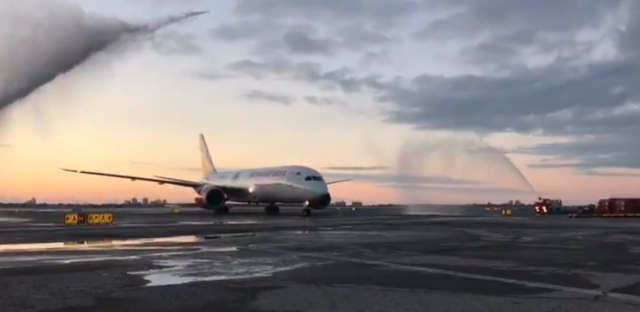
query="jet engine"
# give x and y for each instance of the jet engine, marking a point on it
(211, 198)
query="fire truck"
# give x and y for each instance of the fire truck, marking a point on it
(549, 206)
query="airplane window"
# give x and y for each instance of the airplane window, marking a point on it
(316, 178)
(307, 178)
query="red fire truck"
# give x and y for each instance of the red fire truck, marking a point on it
(548, 206)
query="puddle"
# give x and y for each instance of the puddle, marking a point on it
(219, 222)
(231, 235)
(13, 219)
(118, 244)
(184, 271)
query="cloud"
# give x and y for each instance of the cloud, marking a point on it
(600, 151)
(356, 168)
(323, 100)
(608, 174)
(296, 35)
(2, 145)
(173, 42)
(567, 69)
(272, 97)
(382, 11)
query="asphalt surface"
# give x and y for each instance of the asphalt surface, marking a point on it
(365, 260)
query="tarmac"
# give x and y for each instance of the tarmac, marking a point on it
(372, 259)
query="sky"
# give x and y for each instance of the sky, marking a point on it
(426, 101)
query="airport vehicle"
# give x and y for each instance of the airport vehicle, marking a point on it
(270, 185)
(549, 206)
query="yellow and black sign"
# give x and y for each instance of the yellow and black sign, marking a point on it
(506, 212)
(100, 218)
(71, 219)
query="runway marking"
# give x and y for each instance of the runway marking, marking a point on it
(584, 291)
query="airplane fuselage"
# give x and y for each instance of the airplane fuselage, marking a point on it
(284, 184)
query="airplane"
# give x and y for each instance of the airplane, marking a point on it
(269, 185)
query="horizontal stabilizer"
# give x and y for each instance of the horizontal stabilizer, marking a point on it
(338, 181)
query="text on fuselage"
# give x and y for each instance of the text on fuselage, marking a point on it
(268, 174)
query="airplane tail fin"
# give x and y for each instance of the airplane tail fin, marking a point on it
(205, 158)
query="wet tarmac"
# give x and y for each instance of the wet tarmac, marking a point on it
(365, 260)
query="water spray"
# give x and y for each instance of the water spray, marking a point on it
(42, 39)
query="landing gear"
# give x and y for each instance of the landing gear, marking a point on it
(306, 212)
(222, 210)
(271, 209)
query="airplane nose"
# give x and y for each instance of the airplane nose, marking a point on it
(323, 200)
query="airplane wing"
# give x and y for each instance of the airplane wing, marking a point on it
(229, 190)
(184, 183)
(338, 181)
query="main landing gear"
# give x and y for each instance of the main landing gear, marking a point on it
(271, 209)
(221, 210)
(306, 212)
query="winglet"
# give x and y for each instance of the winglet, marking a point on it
(205, 158)
(70, 170)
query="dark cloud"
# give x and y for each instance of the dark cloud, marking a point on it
(323, 100)
(380, 11)
(272, 97)
(557, 68)
(499, 31)
(300, 38)
(297, 41)
(608, 174)
(601, 151)
(248, 30)
(356, 168)
(212, 75)
(310, 72)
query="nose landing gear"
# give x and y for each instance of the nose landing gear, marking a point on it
(306, 210)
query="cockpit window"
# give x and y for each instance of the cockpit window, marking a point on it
(308, 178)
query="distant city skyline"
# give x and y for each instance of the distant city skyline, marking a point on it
(416, 104)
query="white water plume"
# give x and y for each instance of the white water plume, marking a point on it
(42, 39)
(470, 163)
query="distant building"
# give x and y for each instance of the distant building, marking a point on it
(356, 204)
(341, 203)
(134, 201)
(145, 201)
